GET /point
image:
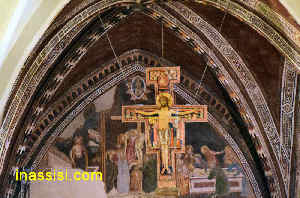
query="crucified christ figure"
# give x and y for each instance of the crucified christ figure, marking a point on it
(164, 116)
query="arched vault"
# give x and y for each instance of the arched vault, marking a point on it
(250, 85)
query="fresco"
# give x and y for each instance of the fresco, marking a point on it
(97, 139)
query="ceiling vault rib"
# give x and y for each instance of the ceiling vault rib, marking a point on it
(196, 39)
(276, 19)
(287, 116)
(260, 26)
(70, 65)
(57, 45)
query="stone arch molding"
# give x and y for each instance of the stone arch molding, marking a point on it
(190, 34)
(276, 19)
(122, 75)
(288, 116)
(48, 56)
(262, 27)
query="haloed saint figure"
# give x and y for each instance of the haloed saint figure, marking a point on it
(138, 87)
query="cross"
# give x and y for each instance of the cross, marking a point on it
(164, 122)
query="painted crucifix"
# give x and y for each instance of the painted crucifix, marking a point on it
(164, 122)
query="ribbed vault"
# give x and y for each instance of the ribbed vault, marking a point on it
(246, 70)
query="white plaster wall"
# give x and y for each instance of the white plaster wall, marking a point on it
(293, 6)
(23, 25)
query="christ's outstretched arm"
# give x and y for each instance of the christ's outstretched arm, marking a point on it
(184, 112)
(146, 113)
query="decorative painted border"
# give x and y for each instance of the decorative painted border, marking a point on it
(250, 3)
(275, 18)
(260, 26)
(190, 33)
(69, 64)
(287, 116)
(33, 77)
(197, 39)
(20, 95)
(4, 128)
(118, 77)
(296, 148)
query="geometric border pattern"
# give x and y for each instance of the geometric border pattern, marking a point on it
(275, 18)
(260, 26)
(290, 30)
(287, 116)
(269, 158)
(24, 94)
(238, 66)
